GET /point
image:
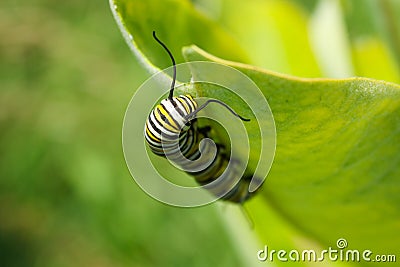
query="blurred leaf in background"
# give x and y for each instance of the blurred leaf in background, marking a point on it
(374, 32)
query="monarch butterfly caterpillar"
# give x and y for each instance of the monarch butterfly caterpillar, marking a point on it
(172, 131)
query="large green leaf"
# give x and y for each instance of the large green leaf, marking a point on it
(335, 172)
(177, 24)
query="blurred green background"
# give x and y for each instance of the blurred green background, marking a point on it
(66, 77)
(66, 196)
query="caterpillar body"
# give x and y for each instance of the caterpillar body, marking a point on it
(172, 131)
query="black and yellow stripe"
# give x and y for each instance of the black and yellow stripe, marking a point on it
(170, 132)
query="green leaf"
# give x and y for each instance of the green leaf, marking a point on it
(372, 58)
(335, 172)
(177, 23)
(274, 34)
(374, 32)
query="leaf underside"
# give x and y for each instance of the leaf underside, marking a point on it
(335, 172)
